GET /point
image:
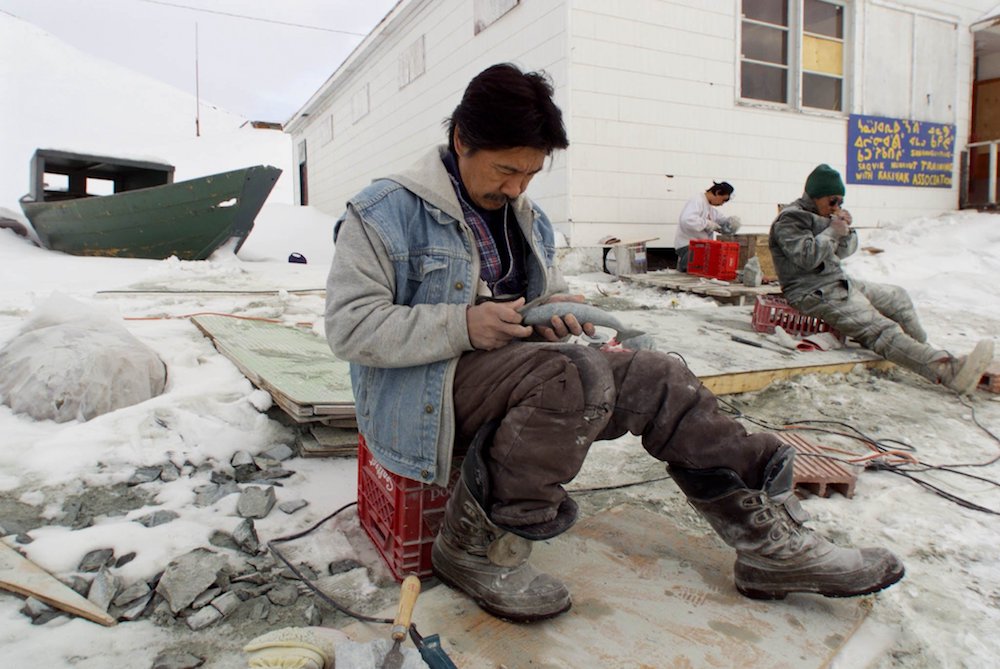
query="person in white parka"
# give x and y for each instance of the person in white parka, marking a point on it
(700, 219)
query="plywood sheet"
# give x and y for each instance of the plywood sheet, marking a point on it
(295, 366)
(704, 339)
(646, 594)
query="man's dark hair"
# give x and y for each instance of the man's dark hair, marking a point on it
(721, 188)
(505, 108)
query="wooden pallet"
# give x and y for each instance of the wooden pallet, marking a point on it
(820, 476)
(991, 378)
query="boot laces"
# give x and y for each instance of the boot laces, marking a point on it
(782, 530)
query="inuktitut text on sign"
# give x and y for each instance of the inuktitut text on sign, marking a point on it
(899, 152)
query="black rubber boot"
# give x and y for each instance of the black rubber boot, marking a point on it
(490, 565)
(775, 553)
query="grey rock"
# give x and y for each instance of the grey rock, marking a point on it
(206, 597)
(158, 517)
(210, 493)
(33, 608)
(292, 506)
(220, 477)
(253, 578)
(273, 474)
(227, 602)
(125, 559)
(94, 560)
(245, 536)
(188, 576)
(255, 502)
(246, 473)
(169, 472)
(314, 617)
(135, 609)
(284, 593)
(258, 608)
(343, 566)
(77, 584)
(264, 462)
(130, 594)
(279, 452)
(104, 589)
(241, 458)
(8, 526)
(304, 569)
(203, 618)
(23, 539)
(177, 659)
(223, 540)
(144, 475)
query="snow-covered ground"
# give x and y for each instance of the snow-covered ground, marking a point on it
(53, 476)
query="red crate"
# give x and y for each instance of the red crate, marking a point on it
(714, 259)
(771, 311)
(400, 515)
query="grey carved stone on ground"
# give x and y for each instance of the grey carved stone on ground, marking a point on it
(96, 559)
(255, 502)
(104, 589)
(188, 576)
(177, 659)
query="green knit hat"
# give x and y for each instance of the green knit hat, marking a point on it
(824, 180)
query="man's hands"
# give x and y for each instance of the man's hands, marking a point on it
(840, 221)
(494, 324)
(563, 327)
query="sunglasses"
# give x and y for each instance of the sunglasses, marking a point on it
(836, 201)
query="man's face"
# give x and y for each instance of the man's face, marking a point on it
(717, 199)
(492, 177)
(828, 204)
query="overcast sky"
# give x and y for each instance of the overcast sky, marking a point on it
(263, 68)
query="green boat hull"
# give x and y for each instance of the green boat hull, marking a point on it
(189, 219)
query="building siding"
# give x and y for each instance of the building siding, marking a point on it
(649, 91)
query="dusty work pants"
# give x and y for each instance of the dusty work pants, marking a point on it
(877, 316)
(554, 400)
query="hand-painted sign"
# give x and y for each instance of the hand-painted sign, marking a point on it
(898, 152)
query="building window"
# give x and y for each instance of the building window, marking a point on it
(411, 62)
(360, 104)
(486, 12)
(792, 53)
(326, 130)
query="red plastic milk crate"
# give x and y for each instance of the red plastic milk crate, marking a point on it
(714, 259)
(770, 311)
(400, 515)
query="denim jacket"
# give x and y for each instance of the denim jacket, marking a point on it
(405, 270)
(805, 251)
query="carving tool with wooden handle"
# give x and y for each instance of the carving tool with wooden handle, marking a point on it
(407, 599)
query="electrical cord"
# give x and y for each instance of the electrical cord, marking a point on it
(907, 464)
(308, 583)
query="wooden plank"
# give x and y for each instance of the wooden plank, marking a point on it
(326, 441)
(646, 593)
(21, 575)
(745, 382)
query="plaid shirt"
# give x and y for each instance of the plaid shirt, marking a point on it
(491, 271)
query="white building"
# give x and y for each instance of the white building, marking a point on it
(661, 97)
